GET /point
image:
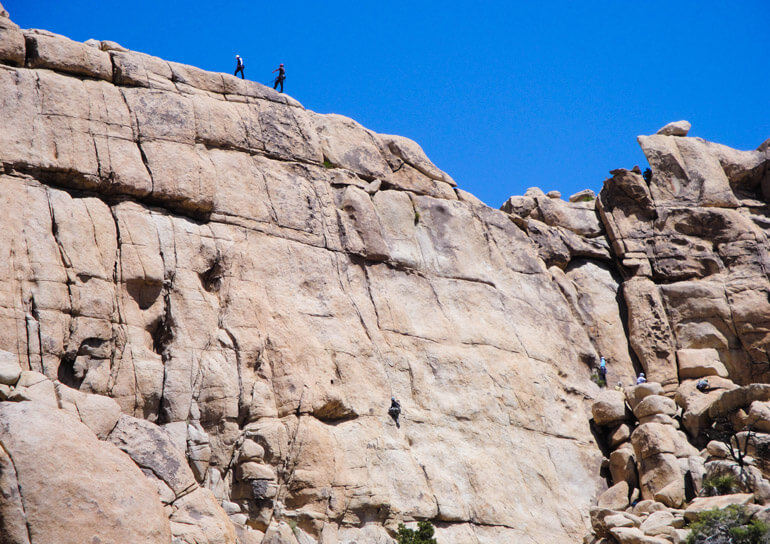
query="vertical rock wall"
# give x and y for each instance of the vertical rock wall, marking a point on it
(254, 281)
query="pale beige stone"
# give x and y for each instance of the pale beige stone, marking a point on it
(62, 54)
(10, 370)
(701, 504)
(620, 435)
(637, 393)
(609, 407)
(676, 128)
(57, 461)
(654, 405)
(12, 46)
(615, 498)
(656, 522)
(698, 363)
(632, 535)
(623, 466)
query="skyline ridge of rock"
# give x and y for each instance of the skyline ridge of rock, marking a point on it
(223, 290)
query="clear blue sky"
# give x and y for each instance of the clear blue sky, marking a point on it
(503, 95)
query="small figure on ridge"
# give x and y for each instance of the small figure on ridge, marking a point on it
(641, 379)
(279, 79)
(702, 385)
(239, 66)
(603, 370)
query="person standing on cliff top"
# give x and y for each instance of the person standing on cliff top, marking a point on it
(279, 79)
(239, 66)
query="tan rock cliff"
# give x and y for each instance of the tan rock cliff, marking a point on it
(227, 289)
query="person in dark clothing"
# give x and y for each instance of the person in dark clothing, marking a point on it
(702, 385)
(239, 66)
(395, 410)
(280, 77)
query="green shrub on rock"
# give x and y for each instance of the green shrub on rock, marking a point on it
(731, 525)
(423, 534)
(724, 484)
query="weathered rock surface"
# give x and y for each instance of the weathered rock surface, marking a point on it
(229, 288)
(249, 282)
(60, 483)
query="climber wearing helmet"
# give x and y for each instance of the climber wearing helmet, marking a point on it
(641, 379)
(279, 79)
(239, 66)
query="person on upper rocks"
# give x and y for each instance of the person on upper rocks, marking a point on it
(620, 388)
(395, 410)
(239, 66)
(280, 77)
(603, 369)
(702, 385)
(641, 379)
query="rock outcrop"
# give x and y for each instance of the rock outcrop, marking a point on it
(216, 292)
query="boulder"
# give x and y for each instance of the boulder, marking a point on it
(759, 415)
(656, 522)
(151, 447)
(647, 506)
(10, 370)
(661, 479)
(636, 393)
(653, 405)
(676, 128)
(623, 466)
(620, 435)
(609, 408)
(632, 535)
(615, 498)
(655, 438)
(696, 403)
(58, 461)
(702, 504)
(699, 363)
(12, 46)
(97, 412)
(586, 195)
(62, 54)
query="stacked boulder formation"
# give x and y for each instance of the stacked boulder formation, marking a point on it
(209, 294)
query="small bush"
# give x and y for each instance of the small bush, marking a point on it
(724, 484)
(731, 525)
(416, 217)
(327, 163)
(598, 380)
(423, 534)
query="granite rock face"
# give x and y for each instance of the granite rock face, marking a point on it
(226, 289)
(248, 283)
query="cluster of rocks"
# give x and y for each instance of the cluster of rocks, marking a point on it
(659, 476)
(61, 446)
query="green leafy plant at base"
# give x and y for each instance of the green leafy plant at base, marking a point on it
(731, 525)
(328, 164)
(598, 380)
(416, 217)
(423, 534)
(725, 484)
